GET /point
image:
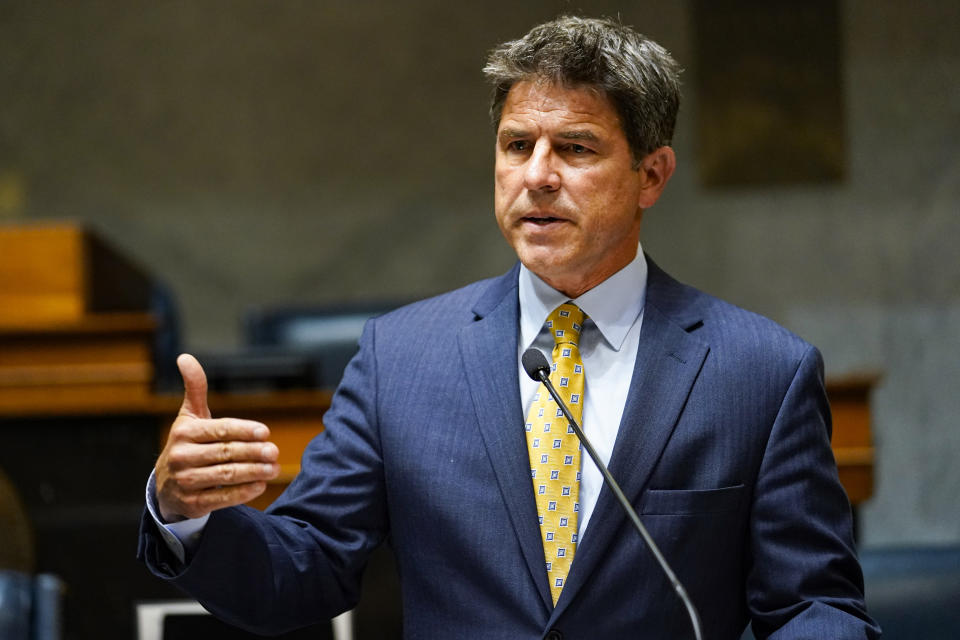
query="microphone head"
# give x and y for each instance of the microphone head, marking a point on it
(535, 364)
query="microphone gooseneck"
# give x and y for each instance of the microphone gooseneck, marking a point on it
(536, 366)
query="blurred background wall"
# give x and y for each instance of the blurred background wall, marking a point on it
(255, 153)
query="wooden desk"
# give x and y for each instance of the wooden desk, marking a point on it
(60, 367)
(852, 441)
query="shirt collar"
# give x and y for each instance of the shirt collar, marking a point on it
(613, 305)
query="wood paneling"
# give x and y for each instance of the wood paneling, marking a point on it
(63, 272)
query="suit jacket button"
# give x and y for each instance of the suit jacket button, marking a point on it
(554, 635)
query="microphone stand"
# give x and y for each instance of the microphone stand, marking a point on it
(541, 373)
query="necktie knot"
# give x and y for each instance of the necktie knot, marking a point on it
(566, 323)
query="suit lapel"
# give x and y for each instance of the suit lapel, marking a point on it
(668, 362)
(488, 347)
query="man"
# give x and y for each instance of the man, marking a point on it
(713, 420)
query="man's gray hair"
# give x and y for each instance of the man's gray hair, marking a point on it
(639, 76)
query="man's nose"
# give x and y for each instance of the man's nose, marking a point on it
(541, 173)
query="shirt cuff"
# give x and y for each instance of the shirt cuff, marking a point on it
(181, 537)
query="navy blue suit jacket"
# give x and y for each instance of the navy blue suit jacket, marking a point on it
(724, 449)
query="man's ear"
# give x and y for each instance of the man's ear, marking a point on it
(655, 171)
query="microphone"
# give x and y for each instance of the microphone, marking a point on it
(537, 367)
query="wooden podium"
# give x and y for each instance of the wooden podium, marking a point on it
(75, 327)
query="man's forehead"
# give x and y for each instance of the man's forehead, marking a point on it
(546, 90)
(531, 101)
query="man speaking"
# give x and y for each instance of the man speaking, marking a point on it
(713, 420)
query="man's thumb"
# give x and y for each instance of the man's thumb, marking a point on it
(194, 387)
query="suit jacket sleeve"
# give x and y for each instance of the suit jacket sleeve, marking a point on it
(803, 579)
(301, 561)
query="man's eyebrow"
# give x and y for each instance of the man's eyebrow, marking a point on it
(573, 134)
(513, 133)
(579, 134)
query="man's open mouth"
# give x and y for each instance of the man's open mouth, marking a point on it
(542, 220)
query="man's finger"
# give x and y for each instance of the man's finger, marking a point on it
(220, 430)
(225, 475)
(230, 496)
(194, 387)
(197, 504)
(193, 454)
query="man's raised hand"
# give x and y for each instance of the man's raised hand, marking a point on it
(208, 463)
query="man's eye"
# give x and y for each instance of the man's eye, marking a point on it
(518, 145)
(578, 148)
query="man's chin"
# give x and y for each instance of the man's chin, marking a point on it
(546, 263)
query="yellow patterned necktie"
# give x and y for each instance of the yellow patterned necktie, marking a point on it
(554, 448)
